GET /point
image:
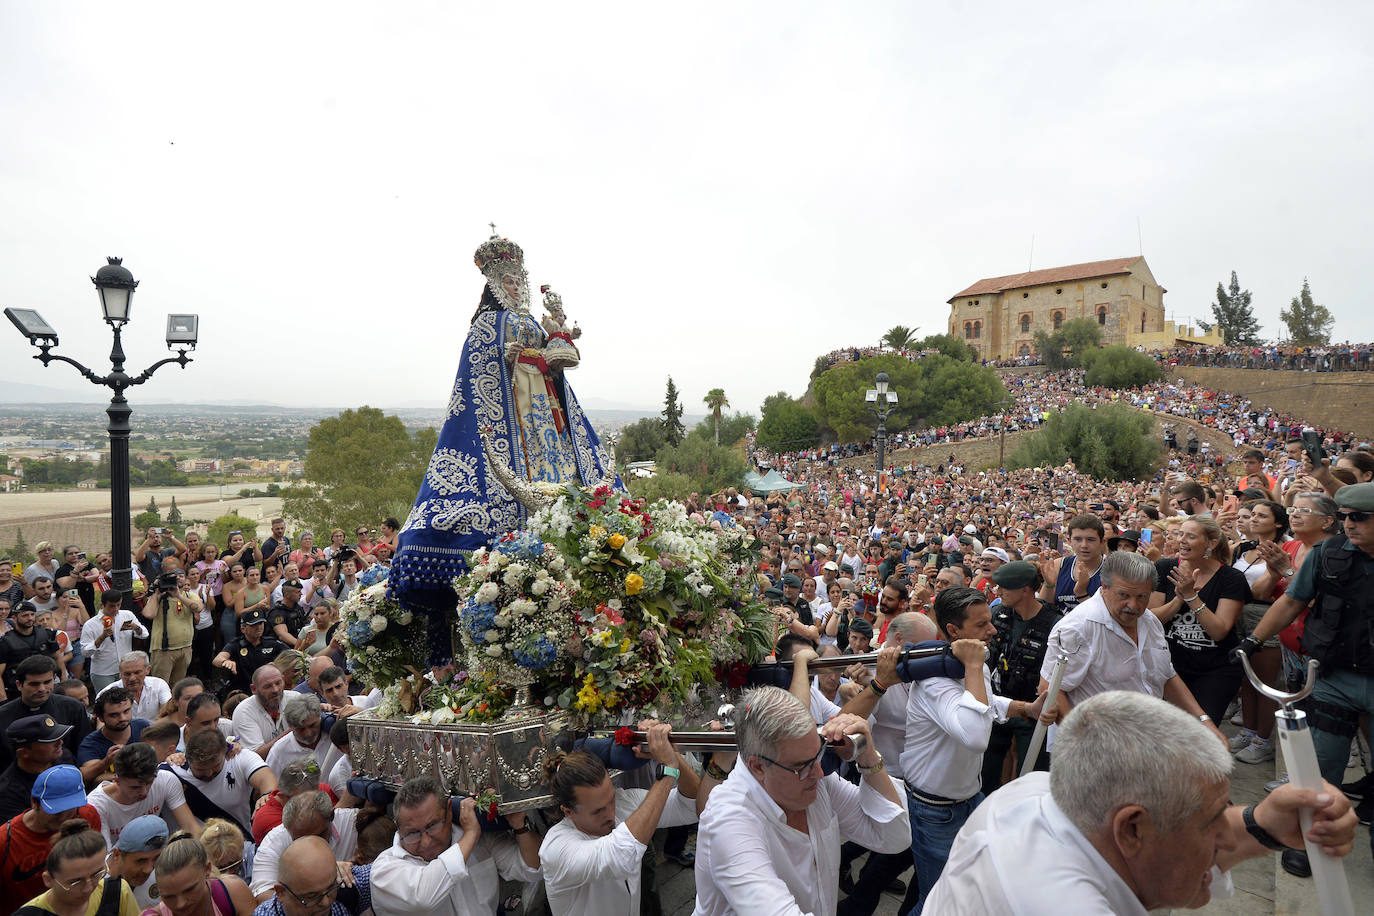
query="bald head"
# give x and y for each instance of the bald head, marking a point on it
(318, 665)
(911, 627)
(306, 863)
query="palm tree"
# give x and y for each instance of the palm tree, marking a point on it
(900, 337)
(716, 400)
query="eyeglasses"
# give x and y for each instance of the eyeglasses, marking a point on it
(801, 771)
(432, 830)
(1353, 516)
(81, 883)
(1302, 510)
(314, 900)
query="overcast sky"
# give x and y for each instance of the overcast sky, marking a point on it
(720, 191)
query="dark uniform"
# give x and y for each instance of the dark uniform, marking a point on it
(1015, 657)
(248, 658)
(293, 617)
(62, 709)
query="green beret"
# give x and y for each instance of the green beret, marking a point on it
(1019, 574)
(1357, 496)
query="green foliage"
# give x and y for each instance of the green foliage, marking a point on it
(1066, 347)
(1120, 367)
(219, 530)
(732, 428)
(1234, 315)
(1110, 443)
(640, 441)
(787, 425)
(152, 506)
(662, 486)
(360, 466)
(819, 366)
(709, 466)
(673, 430)
(947, 344)
(1308, 323)
(20, 552)
(935, 389)
(900, 337)
(174, 513)
(716, 400)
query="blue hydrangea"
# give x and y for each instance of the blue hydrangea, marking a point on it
(374, 574)
(359, 633)
(521, 544)
(478, 618)
(535, 654)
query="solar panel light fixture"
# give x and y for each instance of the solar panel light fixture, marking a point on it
(31, 325)
(182, 331)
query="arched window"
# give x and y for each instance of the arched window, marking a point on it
(978, 329)
(1058, 319)
(968, 330)
(1101, 314)
(1025, 325)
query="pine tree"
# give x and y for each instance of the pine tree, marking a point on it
(1308, 323)
(174, 514)
(20, 552)
(152, 506)
(673, 429)
(1234, 315)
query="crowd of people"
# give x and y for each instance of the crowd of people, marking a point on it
(191, 755)
(1342, 357)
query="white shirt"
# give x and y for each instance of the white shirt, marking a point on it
(947, 732)
(751, 863)
(104, 659)
(590, 874)
(156, 693)
(288, 749)
(343, 839)
(888, 725)
(226, 728)
(1018, 854)
(404, 884)
(230, 789)
(1102, 657)
(339, 775)
(164, 796)
(254, 725)
(822, 707)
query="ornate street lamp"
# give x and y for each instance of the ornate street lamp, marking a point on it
(116, 286)
(884, 400)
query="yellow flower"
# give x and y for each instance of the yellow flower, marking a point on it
(625, 644)
(616, 541)
(633, 583)
(588, 698)
(596, 532)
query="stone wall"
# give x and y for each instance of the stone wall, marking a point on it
(1344, 400)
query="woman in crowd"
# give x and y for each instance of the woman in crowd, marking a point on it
(1312, 519)
(234, 585)
(313, 636)
(70, 616)
(1359, 462)
(203, 642)
(183, 692)
(391, 530)
(306, 555)
(77, 879)
(1263, 563)
(241, 550)
(224, 847)
(45, 565)
(252, 596)
(1199, 602)
(336, 543)
(213, 571)
(188, 884)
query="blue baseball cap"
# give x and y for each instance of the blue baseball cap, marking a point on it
(59, 789)
(143, 834)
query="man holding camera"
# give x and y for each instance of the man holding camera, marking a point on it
(171, 613)
(23, 640)
(109, 636)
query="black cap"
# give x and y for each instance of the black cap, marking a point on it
(773, 592)
(1017, 574)
(291, 583)
(791, 581)
(36, 729)
(252, 617)
(862, 627)
(1130, 534)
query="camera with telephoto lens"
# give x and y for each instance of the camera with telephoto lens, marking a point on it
(167, 582)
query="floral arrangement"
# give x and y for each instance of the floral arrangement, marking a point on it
(514, 603)
(467, 697)
(385, 644)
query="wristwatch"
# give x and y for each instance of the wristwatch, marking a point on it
(669, 771)
(1264, 837)
(873, 769)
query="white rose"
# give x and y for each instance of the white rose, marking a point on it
(405, 619)
(442, 716)
(494, 651)
(378, 623)
(491, 635)
(502, 620)
(362, 612)
(487, 593)
(540, 586)
(501, 559)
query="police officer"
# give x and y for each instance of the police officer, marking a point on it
(1016, 653)
(1337, 581)
(249, 652)
(792, 599)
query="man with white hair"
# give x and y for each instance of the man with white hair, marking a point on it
(306, 737)
(1133, 816)
(769, 838)
(148, 692)
(1113, 642)
(310, 813)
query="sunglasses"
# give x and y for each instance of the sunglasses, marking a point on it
(1353, 516)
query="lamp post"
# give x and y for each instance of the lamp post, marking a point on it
(884, 401)
(116, 286)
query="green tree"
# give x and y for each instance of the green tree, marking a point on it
(715, 400)
(1120, 367)
(1065, 348)
(152, 506)
(640, 441)
(360, 466)
(1234, 315)
(947, 344)
(709, 466)
(220, 528)
(662, 486)
(673, 430)
(145, 520)
(1308, 323)
(900, 337)
(20, 552)
(787, 425)
(1109, 443)
(174, 513)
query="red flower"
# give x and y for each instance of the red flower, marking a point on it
(602, 491)
(625, 736)
(596, 504)
(492, 813)
(737, 675)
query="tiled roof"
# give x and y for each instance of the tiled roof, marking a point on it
(1050, 275)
